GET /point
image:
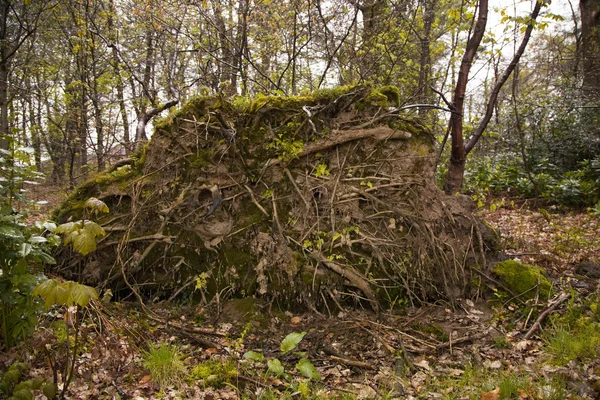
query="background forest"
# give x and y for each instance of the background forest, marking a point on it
(79, 80)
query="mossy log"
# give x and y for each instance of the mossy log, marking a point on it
(315, 200)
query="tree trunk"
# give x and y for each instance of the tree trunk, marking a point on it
(425, 64)
(140, 135)
(590, 33)
(456, 167)
(4, 68)
(119, 81)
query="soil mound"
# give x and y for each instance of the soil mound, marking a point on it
(314, 200)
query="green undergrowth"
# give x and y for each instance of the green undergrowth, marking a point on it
(473, 382)
(575, 335)
(165, 363)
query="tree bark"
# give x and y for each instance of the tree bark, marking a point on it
(425, 63)
(140, 135)
(590, 33)
(118, 80)
(456, 167)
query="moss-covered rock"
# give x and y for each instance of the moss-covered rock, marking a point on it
(523, 279)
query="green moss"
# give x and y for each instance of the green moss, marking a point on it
(216, 373)
(392, 93)
(236, 257)
(202, 158)
(522, 279)
(197, 107)
(377, 99)
(91, 188)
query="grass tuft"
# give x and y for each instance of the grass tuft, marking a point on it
(165, 363)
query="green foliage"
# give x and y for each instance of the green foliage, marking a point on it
(65, 293)
(287, 345)
(565, 345)
(82, 234)
(291, 341)
(12, 385)
(287, 149)
(23, 252)
(165, 363)
(523, 279)
(575, 335)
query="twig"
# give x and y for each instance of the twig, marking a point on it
(554, 303)
(291, 178)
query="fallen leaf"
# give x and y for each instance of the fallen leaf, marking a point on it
(295, 320)
(491, 395)
(145, 379)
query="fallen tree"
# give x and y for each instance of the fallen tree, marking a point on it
(314, 200)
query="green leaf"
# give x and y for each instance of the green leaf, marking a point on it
(65, 294)
(49, 225)
(68, 227)
(37, 239)
(25, 249)
(306, 368)
(52, 291)
(254, 355)
(85, 242)
(94, 228)
(291, 341)
(275, 366)
(79, 294)
(11, 232)
(96, 205)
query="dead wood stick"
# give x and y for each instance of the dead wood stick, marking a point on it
(353, 277)
(334, 355)
(291, 178)
(396, 210)
(256, 203)
(339, 137)
(553, 304)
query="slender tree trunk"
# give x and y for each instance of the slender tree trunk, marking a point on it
(590, 34)
(4, 72)
(456, 167)
(118, 80)
(34, 129)
(146, 117)
(425, 64)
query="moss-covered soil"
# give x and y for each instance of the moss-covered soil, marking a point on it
(303, 202)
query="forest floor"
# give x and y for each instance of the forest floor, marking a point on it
(476, 348)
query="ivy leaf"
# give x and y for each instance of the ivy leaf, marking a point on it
(254, 355)
(291, 341)
(306, 368)
(96, 205)
(275, 366)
